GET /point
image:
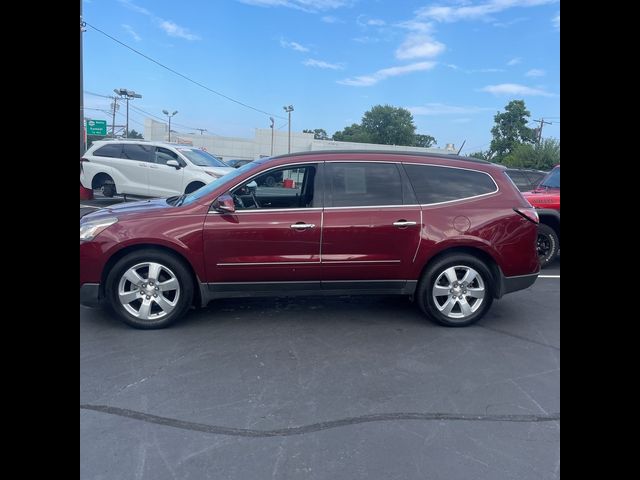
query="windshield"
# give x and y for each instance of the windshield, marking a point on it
(210, 187)
(552, 180)
(202, 158)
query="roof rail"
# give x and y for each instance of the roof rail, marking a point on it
(451, 156)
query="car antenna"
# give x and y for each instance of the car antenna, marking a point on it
(461, 147)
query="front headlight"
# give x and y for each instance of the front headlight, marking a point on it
(91, 229)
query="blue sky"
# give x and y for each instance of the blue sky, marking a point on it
(453, 64)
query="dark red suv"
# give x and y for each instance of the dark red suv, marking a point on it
(452, 232)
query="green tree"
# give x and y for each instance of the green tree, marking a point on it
(511, 130)
(425, 141)
(541, 156)
(318, 133)
(354, 133)
(388, 125)
(134, 134)
(481, 155)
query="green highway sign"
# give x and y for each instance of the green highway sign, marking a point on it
(96, 127)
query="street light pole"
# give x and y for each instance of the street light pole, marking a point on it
(169, 115)
(127, 94)
(272, 130)
(289, 109)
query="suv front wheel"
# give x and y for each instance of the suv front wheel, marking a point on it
(456, 290)
(149, 289)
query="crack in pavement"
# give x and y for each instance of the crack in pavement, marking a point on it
(518, 337)
(315, 427)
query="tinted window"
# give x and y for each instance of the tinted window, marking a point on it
(364, 184)
(109, 150)
(552, 180)
(163, 155)
(519, 178)
(132, 151)
(443, 184)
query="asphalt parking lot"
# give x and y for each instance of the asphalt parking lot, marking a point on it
(325, 388)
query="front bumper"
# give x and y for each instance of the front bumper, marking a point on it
(90, 294)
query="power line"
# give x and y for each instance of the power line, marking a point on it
(180, 74)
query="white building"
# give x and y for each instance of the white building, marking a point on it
(260, 146)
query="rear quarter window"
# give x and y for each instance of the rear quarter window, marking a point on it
(112, 150)
(434, 184)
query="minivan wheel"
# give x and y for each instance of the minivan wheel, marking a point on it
(149, 289)
(547, 244)
(193, 186)
(108, 189)
(456, 291)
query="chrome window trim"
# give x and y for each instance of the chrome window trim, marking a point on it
(267, 210)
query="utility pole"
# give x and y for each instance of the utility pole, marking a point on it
(82, 127)
(113, 124)
(289, 109)
(272, 129)
(542, 122)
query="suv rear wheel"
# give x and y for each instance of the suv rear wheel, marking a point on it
(456, 290)
(149, 289)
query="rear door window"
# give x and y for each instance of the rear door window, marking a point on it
(358, 184)
(134, 151)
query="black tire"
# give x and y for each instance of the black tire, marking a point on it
(108, 189)
(548, 244)
(171, 264)
(270, 181)
(427, 303)
(192, 187)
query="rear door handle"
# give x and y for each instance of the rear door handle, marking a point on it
(404, 223)
(302, 226)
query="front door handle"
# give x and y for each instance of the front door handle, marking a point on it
(404, 223)
(302, 226)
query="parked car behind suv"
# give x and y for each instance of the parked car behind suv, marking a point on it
(452, 232)
(148, 169)
(546, 200)
(237, 162)
(525, 179)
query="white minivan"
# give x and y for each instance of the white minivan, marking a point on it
(148, 169)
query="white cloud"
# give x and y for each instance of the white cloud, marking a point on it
(170, 28)
(556, 21)
(311, 6)
(366, 39)
(293, 46)
(422, 27)
(465, 11)
(515, 89)
(419, 46)
(514, 61)
(131, 32)
(331, 19)
(535, 72)
(444, 109)
(131, 6)
(322, 64)
(174, 30)
(376, 22)
(368, 80)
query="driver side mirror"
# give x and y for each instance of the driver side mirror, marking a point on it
(252, 186)
(173, 163)
(224, 204)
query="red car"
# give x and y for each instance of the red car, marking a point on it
(546, 200)
(452, 232)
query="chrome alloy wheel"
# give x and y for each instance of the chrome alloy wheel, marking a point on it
(458, 292)
(149, 291)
